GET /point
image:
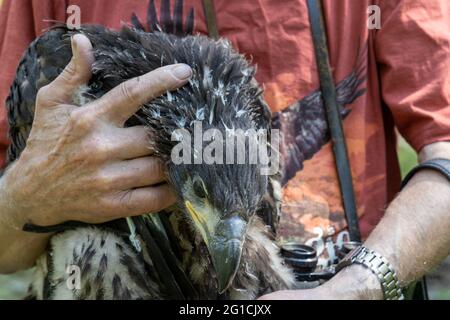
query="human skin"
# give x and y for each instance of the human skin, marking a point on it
(80, 163)
(414, 236)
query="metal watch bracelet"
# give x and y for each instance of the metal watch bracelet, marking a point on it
(379, 266)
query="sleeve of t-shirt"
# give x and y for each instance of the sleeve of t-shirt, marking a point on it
(413, 52)
(21, 21)
(16, 32)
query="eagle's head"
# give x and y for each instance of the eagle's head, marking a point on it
(220, 200)
(214, 135)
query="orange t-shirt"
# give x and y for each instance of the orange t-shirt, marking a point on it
(407, 68)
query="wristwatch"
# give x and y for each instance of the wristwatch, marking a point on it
(379, 266)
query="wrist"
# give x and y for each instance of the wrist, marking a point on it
(16, 210)
(356, 282)
(18, 249)
(10, 216)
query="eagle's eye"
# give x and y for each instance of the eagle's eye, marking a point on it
(199, 188)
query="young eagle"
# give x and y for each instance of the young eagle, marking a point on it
(218, 231)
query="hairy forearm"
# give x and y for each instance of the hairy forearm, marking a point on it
(414, 235)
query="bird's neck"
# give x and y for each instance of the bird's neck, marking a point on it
(261, 268)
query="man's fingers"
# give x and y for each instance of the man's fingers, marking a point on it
(142, 200)
(122, 102)
(77, 73)
(133, 142)
(131, 174)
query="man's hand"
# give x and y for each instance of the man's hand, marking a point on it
(80, 162)
(352, 283)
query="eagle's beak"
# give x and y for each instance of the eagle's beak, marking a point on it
(224, 239)
(225, 248)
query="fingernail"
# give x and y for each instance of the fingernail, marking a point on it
(73, 43)
(75, 39)
(182, 71)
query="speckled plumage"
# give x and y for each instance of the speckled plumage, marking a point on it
(112, 269)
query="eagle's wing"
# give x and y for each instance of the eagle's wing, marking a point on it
(41, 63)
(168, 23)
(303, 125)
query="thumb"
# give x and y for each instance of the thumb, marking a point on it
(79, 68)
(75, 74)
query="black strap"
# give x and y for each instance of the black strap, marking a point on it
(210, 16)
(68, 225)
(440, 165)
(334, 118)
